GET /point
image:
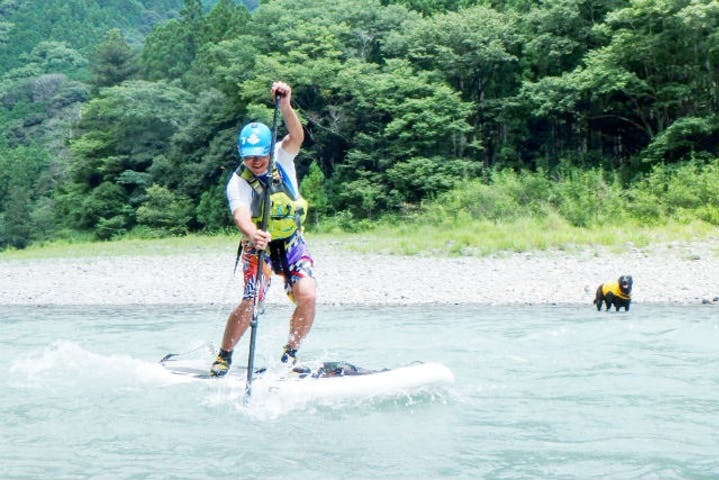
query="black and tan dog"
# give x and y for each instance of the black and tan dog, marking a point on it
(617, 293)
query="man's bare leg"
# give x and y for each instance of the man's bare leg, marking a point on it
(237, 324)
(305, 293)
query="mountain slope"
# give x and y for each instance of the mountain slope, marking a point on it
(79, 23)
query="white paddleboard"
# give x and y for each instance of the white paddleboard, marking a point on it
(329, 379)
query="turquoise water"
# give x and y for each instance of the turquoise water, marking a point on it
(541, 392)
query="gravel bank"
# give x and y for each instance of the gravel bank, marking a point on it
(686, 273)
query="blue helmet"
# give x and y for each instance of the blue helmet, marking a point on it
(254, 140)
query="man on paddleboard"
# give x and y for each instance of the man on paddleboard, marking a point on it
(282, 243)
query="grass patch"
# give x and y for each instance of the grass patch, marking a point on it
(479, 238)
(461, 238)
(124, 247)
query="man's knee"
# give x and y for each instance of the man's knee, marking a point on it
(305, 291)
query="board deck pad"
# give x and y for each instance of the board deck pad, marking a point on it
(324, 379)
(324, 370)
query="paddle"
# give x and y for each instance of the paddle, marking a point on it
(261, 254)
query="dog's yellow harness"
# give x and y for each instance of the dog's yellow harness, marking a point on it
(614, 288)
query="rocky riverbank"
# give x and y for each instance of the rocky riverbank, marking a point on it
(686, 273)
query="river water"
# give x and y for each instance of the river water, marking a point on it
(540, 392)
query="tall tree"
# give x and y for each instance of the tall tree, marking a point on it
(114, 61)
(24, 181)
(171, 48)
(400, 117)
(474, 51)
(659, 66)
(122, 133)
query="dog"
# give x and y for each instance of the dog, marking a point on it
(617, 293)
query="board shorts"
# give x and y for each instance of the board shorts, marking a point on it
(298, 262)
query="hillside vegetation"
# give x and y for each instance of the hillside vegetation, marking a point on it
(120, 118)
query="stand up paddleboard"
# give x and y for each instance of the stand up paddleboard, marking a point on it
(329, 378)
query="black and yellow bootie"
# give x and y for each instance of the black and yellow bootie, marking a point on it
(289, 356)
(221, 365)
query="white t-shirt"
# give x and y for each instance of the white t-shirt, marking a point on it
(239, 192)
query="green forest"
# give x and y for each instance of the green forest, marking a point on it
(121, 117)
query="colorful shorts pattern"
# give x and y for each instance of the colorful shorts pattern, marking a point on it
(299, 261)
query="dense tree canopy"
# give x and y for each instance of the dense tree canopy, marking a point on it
(134, 129)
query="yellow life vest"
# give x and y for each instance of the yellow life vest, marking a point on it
(614, 288)
(288, 209)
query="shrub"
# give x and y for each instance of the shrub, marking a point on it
(165, 211)
(212, 211)
(586, 198)
(683, 192)
(108, 228)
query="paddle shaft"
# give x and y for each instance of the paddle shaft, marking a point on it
(266, 206)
